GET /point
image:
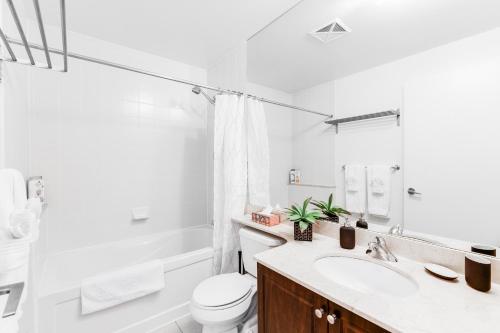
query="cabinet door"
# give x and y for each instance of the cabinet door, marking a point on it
(348, 322)
(286, 307)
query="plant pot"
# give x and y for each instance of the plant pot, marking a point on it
(306, 235)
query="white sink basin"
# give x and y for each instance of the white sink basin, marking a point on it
(366, 276)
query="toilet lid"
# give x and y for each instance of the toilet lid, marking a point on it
(222, 290)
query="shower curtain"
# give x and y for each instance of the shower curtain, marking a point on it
(258, 154)
(230, 178)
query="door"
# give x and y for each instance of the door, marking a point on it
(452, 153)
(344, 321)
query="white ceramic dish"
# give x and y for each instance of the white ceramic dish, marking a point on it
(441, 271)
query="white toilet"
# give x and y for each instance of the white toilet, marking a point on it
(223, 303)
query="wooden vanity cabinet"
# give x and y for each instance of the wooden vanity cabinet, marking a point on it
(288, 307)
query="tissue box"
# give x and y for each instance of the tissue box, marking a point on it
(266, 219)
(283, 216)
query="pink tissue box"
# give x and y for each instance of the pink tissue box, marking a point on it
(266, 219)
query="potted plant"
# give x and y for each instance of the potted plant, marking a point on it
(330, 212)
(303, 219)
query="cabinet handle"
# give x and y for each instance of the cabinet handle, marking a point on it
(331, 318)
(319, 313)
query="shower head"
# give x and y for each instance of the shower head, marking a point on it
(197, 90)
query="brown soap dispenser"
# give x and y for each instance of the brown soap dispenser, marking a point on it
(347, 236)
(361, 223)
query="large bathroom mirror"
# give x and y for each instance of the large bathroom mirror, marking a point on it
(424, 76)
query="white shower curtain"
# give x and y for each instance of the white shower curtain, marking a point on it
(230, 178)
(258, 154)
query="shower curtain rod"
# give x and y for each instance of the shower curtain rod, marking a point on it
(160, 76)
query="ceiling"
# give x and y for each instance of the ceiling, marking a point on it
(191, 31)
(284, 56)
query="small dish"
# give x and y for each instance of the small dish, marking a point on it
(441, 271)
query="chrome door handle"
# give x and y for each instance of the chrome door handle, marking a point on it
(319, 313)
(412, 191)
(331, 318)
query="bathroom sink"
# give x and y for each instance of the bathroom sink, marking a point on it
(366, 275)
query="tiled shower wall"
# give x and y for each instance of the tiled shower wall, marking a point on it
(107, 140)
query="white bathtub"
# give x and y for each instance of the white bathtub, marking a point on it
(187, 256)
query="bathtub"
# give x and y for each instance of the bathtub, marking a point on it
(187, 255)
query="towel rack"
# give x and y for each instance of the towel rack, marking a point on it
(24, 42)
(394, 167)
(387, 113)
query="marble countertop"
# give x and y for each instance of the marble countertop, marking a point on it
(438, 305)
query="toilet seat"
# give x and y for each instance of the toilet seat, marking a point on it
(223, 299)
(223, 291)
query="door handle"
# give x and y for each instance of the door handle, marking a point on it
(412, 191)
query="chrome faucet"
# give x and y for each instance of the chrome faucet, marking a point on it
(396, 230)
(379, 248)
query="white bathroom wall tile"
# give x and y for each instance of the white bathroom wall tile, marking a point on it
(103, 145)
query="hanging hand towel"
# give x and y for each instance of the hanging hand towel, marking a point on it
(110, 289)
(258, 154)
(379, 190)
(355, 188)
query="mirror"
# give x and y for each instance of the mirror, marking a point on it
(437, 63)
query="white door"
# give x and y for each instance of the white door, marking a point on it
(452, 154)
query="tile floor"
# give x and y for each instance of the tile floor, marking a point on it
(183, 325)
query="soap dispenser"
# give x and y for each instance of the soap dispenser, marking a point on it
(347, 236)
(361, 223)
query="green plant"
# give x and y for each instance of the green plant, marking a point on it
(302, 215)
(329, 211)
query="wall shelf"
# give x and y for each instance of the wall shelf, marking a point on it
(387, 113)
(312, 185)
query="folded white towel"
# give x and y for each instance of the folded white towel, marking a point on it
(379, 190)
(110, 289)
(355, 188)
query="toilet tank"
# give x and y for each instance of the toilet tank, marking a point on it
(255, 241)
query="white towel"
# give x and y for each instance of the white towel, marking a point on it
(355, 188)
(110, 289)
(12, 196)
(379, 190)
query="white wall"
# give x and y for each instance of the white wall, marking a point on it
(313, 144)
(106, 140)
(377, 89)
(279, 125)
